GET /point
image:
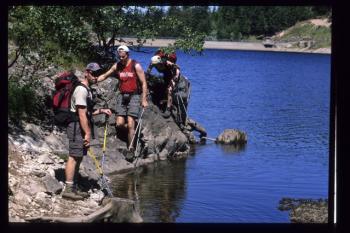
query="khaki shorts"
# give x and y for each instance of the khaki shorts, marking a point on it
(76, 146)
(128, 105)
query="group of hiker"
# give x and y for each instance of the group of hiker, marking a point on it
(131, 100)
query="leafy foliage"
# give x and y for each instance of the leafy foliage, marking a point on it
(70, 36)
(236, 23)
(22, 101)
(54, 33)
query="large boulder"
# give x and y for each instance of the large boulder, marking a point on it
(232, 136)
(160, 138)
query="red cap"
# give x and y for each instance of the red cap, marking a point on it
(172, 57)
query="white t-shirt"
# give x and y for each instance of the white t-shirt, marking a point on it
(79, 97)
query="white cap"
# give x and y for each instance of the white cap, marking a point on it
(124, 48)
(156, 59)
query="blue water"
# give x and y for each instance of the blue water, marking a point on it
(282, 102)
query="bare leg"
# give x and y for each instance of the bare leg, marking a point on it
(77, 166)
(120, 121)
(170, 99)
(71, 166)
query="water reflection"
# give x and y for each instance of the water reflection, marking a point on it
(232, 148)
(159, 187)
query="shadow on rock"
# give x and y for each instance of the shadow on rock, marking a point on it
(85, 183)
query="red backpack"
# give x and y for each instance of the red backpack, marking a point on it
(65, 84)
(171, 57)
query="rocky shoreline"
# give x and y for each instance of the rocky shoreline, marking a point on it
(37, 152)
(37, 155)
(305, 210)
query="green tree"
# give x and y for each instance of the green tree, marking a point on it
(71, 35)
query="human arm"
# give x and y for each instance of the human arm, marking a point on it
(141, 76)
(173, 65)
(107, 74)
(174, 80)
(84, 123)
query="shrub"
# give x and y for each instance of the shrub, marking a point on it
(22, 101)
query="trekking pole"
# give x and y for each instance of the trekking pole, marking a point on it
(138, 140)
(104, 143)
(137, 127)
(212, 139)
(104, 183)
(183, 105)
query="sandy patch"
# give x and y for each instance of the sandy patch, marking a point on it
(320, 22)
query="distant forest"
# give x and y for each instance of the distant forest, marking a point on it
(230, 22)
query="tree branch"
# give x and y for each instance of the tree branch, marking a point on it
(15, 59)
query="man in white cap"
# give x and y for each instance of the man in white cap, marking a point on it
(133, 90)
(79, 129)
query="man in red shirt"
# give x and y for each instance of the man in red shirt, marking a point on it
(133, 90)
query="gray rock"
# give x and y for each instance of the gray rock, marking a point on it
(9, 192)
(51, 184)
(232, 136)
(39, 173)
(22, 197)
(305, 210)
(51, 172)
(45, 159)
(34, 187)
(44, 201)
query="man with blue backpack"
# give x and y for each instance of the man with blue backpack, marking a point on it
(73, 108)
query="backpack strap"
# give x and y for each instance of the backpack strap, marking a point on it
(75, 128)
(87, 107)
(133, 65)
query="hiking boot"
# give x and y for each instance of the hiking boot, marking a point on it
(81, 192)
(129, 156)
(71, 193)
(166, 113)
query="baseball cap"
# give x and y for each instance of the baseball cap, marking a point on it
(124, 48)
(156, 59)
(93, 66)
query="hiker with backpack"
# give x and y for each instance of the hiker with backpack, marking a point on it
(133, 91)
(166, 65)
(73, 108)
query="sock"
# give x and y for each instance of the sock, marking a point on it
(69, 183)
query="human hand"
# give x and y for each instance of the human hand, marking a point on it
(144, 103)
(106, 111)
(87, 140)
(169, 63)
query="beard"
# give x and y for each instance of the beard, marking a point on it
(92, 81)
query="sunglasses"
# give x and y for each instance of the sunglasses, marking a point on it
(95, 73)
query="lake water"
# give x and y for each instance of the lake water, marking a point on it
(282, 102)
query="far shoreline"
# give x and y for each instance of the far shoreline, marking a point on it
(230, 45)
